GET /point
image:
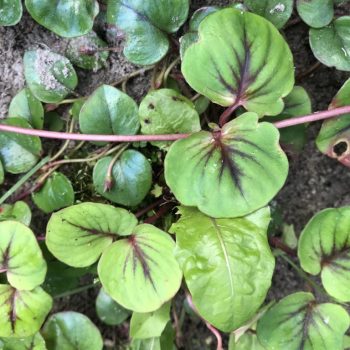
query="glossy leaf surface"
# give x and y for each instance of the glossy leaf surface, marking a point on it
(10, 12)
(35, 342)
(18, 211)
(315, 13)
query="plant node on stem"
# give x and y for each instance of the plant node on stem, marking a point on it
(227, 113)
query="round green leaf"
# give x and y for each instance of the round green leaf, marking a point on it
(20, 256)
(71, 331)
(19, 211)
(316, 13)
(146, 25)
(56, 193)
(324, 246)
(131, 178)
(35, 342)
(141, 272)
(227, 264)
(247, 62)
(109, 111)
(109, 311)
(230, 172)
(18, 153)
(298, 323)
(22, 312)
(331, 44)
(165, 111)
(77, 235)
(26, 105)
(67, 18)
(49, 76)
(10, 12)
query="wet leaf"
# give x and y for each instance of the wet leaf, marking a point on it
(315, 13)
(297, 322)
(230, 172)
(35, 342)
(10, 12)
(19, 211)
(77, 235)
(140, 272)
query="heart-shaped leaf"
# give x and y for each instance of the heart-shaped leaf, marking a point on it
(77, 235)
(20, 256)
(227, 264)
(56, 193)
(49, 76)
(35, 342)
(26, 105)
(22, 312)
(324, 248)
(297, 322)
(331, 44)
(141, 272)
(147, 25)
(19, 211)
(131, 178)
(10, 12)
(67, 18)
(71, 331)
(229, 172)
(316, 13)
(248, 63)
(18, 153)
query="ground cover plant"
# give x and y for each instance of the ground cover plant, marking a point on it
(165, 206)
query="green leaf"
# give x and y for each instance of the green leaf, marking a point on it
(2, 173)
(276, 11)
(66, 18)
(146, 344)
(146, 25)
(53, 121)
(229, 172)
(331, 44)
(19, 211)
(165, 111)
(248, 341)
(71, 331)
(248, 63)
(77, 235)
(85, 52)
(149, 324)
(109, 311)
(316, 13)
(324, 248)
(131, 178)
(35, 342)
(109, 111)
(56, 193)
(227, 264)
(10, 12)
(141, 272)
(201, 104)
(22, 312)
(49, 76)
(18, 153)
(297, 322)
(21, 257)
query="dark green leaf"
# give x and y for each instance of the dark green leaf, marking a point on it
(35, 342)
(316, 13)
(10, 12)
(53, 121)
(19, 211)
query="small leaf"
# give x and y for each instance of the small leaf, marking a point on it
(71, 331)
(19, 211)
(331, 44)
(53, 121)
(230, 172)
(141, 272)
(201, 104)
(22, 312)
(77, 235)
(146, 344)
(248, 341)
(240, 70)
(35, 342)
(316, 13)
(131, 178)
(2, 173)
(67, 18)
(56, 193)
(10, 12)
(297, 322)
(49, 76)
(289, 237)
(147, 25)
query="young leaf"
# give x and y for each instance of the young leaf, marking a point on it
(66, 18)
(10, 12)
(131, 178)
(26, 105)
(331, 44)
(2, 173)
(56, 193)
(22, 312)
(227, 264)
(297, 322)
(71, 331)
(248, 63)
(18, 153)
(229, 172)
(77, 235)
(141, 272)
(248, 341)
(19, 211)
(324, 248)
(35, 342)
(49, 76)
(146, 25)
